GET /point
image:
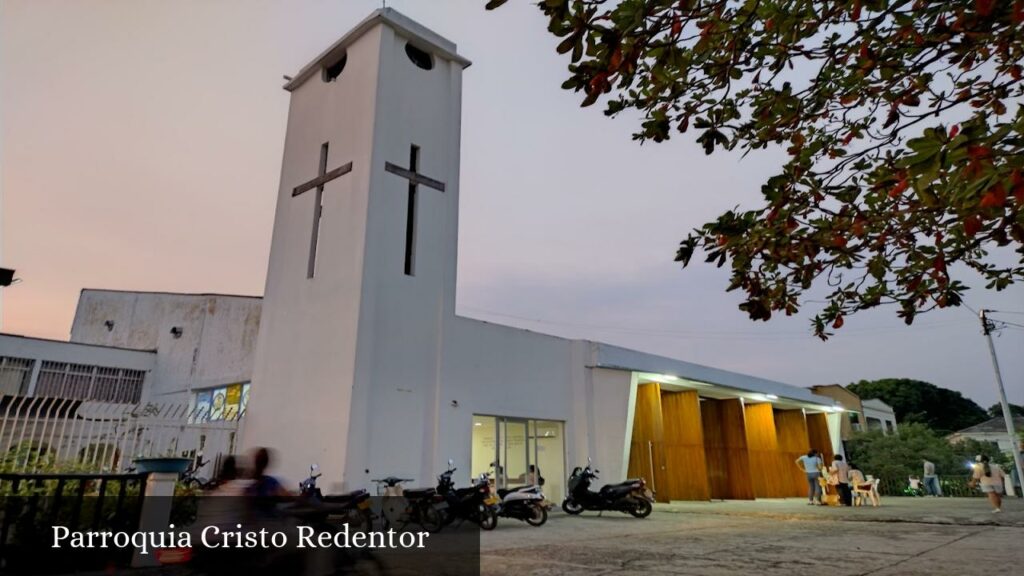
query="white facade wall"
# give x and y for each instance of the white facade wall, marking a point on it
(306, 353)
(216, 346)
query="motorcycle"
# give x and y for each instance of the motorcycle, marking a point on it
(526, 503)
(475, 503)
(353, 506)
(630, 497)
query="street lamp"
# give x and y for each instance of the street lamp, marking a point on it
(6, 277)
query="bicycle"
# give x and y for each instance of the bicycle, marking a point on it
(400, 507)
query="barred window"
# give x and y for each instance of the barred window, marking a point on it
(15, 374)
(85, 382)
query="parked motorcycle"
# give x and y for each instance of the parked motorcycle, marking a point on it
(475, 503)
(526, 503)
(353, 506)
(630, 497)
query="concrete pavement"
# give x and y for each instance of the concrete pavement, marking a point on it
(904, 536)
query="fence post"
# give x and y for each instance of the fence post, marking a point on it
(156, 512)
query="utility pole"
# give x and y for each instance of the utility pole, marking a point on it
(986, 328)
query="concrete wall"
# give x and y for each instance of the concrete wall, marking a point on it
(216, 346)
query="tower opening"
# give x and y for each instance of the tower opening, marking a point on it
(332, 71)
(420, 58)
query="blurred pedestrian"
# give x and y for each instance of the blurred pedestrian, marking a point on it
(991, 479)
(931, 480)
(266, 490)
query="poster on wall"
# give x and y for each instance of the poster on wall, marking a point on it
(204, 401)
(232, 401)
(223, 403)
(219, 398)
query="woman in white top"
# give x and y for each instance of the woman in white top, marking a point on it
(990, 476)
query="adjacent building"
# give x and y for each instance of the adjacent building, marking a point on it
(860, 414)
(991, 430)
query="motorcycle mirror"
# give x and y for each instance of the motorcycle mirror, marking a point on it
(450, 463)
(314, 467)
(588, 460)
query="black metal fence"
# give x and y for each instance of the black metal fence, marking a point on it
(957, 486)
(32, 504)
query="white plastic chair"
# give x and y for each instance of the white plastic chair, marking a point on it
(867, 492)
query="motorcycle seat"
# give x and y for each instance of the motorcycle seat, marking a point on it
(414, 493)
(620, 488)
(346, 497)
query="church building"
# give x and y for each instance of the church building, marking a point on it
(363, 367)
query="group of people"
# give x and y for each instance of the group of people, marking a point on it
(261, 491)
(845, 476)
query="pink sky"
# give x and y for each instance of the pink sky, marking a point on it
(140, 145)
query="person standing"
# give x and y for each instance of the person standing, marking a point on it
(931, 480)
(811, 465)
(842, 473)
(991, 478)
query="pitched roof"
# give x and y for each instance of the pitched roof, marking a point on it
(993, 426)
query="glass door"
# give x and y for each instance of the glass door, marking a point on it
(519, 451)
(513, 456)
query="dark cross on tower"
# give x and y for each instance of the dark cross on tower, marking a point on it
(323, 178)
(415, 179)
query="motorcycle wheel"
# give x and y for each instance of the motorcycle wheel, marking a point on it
(642, 510)
(488, 519)
(539, 516)
(430, 519)
(570, 506)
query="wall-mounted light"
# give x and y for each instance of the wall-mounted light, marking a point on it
(455, 403)
(177, 331)
(110, 325)
(6, 276)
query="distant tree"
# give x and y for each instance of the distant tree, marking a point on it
(943, 410)
(996, 410)
(896, 457)
(902, 121)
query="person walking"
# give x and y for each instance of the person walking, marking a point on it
(811, 465)
(931, 480)
(991, 478)
(842, 474)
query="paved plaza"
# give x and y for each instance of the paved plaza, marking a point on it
(905, 536)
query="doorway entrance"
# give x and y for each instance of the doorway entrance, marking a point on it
(517, 451)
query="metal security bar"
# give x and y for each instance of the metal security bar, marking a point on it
(87, 382)
(15, 374)
(64, 434)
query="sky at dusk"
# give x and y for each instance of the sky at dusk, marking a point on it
(140, 149)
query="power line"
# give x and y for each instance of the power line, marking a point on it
(702, 334)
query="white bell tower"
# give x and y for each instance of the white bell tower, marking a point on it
(361, 279)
